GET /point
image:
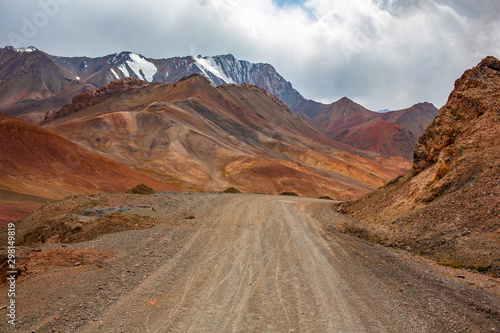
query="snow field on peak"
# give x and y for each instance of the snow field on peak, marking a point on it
(124, 70)
(115, 74)
(138, 63)
(25, 49)
(208, 65)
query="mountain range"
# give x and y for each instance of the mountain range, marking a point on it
(186, 124)
(33, 83)
(392, 133)
(233, 253)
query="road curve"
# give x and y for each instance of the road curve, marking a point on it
(262, 263)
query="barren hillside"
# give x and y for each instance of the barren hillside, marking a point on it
(206, 138)
(448, 205)
(37, 164)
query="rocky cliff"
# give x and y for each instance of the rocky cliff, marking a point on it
(474, 99)
(448, 205)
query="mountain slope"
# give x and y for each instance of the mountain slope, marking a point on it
(448, 204)
(24, 92)
(32, 84)
(390, 134)
(37, 162)
(209, 138)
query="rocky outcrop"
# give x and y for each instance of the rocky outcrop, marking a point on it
(92, 97)
(448, 205)
(476, 93)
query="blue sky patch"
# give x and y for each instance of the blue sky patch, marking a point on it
(284, 3)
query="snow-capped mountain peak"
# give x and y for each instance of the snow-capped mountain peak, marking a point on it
(23, 49)
(221, 69)
(141, 67)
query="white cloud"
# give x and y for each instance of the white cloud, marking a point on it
(381, 53)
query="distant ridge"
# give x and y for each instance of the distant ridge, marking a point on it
(221, 69)
(392, 133)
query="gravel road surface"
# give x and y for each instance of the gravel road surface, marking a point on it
(247, 263)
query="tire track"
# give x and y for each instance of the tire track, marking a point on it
(263, 264)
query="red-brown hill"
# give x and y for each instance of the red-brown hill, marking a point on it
(448, 205)
(390, 134)
(32, 84)
(37, 162)
(208, 138)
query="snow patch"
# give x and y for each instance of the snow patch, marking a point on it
(78, 78)
(25, 49)
(22, 49)
(141, 67)
(114, 74)
(208, 65)
(124, 70)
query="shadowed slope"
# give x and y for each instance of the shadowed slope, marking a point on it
(32, 84)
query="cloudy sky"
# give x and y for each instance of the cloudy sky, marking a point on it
(380, 53)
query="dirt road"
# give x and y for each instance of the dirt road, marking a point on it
(256, 263)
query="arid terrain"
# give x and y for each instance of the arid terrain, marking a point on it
(37, 165)
(203, 138)
(184, 124)
(98, 250)
(228, 262)
(389, 134)
(448, 205)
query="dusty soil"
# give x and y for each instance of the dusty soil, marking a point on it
(235, 262)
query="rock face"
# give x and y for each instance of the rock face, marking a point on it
(448, 204)
(32, 84)
(219, 70)
(476, 93)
